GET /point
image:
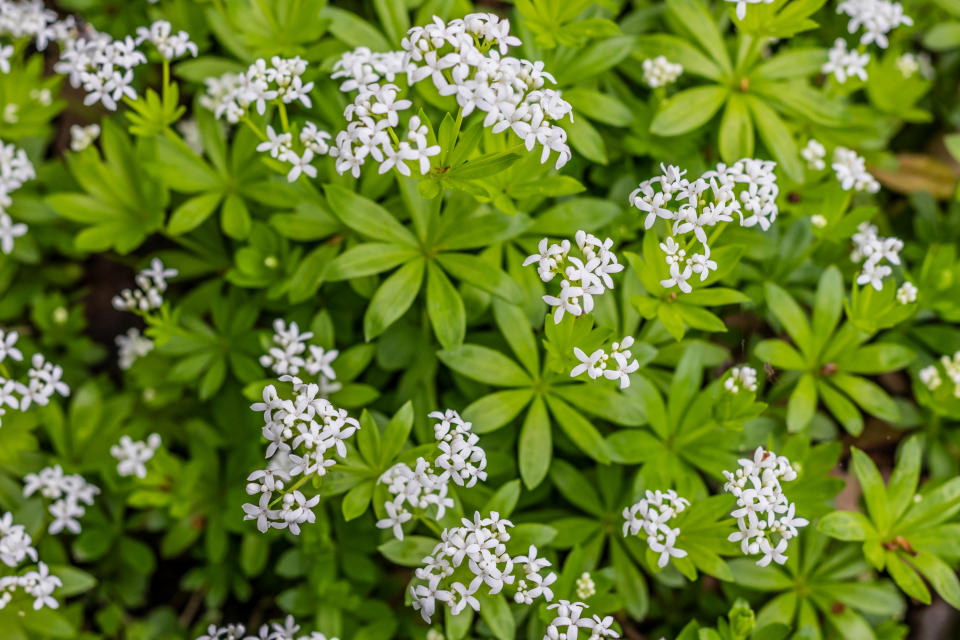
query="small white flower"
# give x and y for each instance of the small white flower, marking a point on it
(814, 153)
(907, 293)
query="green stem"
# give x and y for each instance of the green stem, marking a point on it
(166, 79)
(393, 135)
(283, 117)
(256, 130)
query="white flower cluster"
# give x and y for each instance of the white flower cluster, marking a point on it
(231, 95)
(814, 154)
(370, 134)
(44, 378)
(68, 492)
(585, 586)
(82, 137)
(742, 377)
(568, 619)
(851, 171)
(748, 187)
(652, 516)
(873, 249)
(15, 169)
(362, 67)
(15, 547)
(103, 67)
(151, 283)
(659, 71)
(589, 273)
(170, 45)
(877, 17)
(131, 347)
(930, 376)
(910, 63)
(132, 455)
(459, 459)
(844, 64)
(30, 19)
(480, 547)
(764, 516)
(907, 293)
(286, 358)
(467, 58)
(274, 631)
(300, 431)
(595, 364)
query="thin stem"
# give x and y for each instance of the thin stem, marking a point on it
(256, 130)
(393, 135)
(283, 117)
(166, 79)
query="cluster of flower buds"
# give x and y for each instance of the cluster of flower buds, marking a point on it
(31, 20)
(479, 546)
(466, 58)
(300, 431)
(567, 623)
(877, 17)
(151, 283)
(930, 376)
(458, 458)
(659, 71)
(814, 154)
(68, 492)
(747, 188)
(873, 249)
(131, 347)
(15, 169)
(289, 630)
(82, 137)
(287, 357)
(16, 546)
(765, 517)
(652, 517)
(44, 379)
(132, 455)
(103, 67)
(595, 365)
(581, 277)
(742, 377)
(910, 63)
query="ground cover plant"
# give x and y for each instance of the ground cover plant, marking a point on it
(437, 319)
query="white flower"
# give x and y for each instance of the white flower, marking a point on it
(396, 516)
(82, 137)
(6, 51)
(169, 45)
(301, 165)
(132, 346)
(8, 346)
(277, 145)
(851, 171)
(132, 456)
(814, 154)
(742, 377)
(930, 377)
(906, 294)
(68, 492)
(877, 17)
(9, 231)
(845, 64)
(659, 71)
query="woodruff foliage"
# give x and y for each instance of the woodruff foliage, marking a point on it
(401, 318)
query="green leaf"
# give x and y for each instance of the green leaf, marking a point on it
(393, 298)
(368, 259)
(482, 275)
(575, 487)
(790, 315)
(445, 308)
(630, 583)
(827, 304)
(802, 403)
(845, 525)
(483, 166)
(877, 358)
(485, 365)
(191, 214)
(736, 131)
(357, 500)
(394, 18)
(777, 138)
(515, 327)
(906, 474)
(780, 354)
(366, 217)
(874, 492)
(841, 408)
(535, 447)
(586, 140)
(694, 18)
(687, 110)
(493, 411)
(408, 552)
(504, 501)
(396, 434)
(579, 429)
(906, 578)
(868, 395)
(942, 577)
(599, 106)
(681, 52)
(496, 613)
(347, 27)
